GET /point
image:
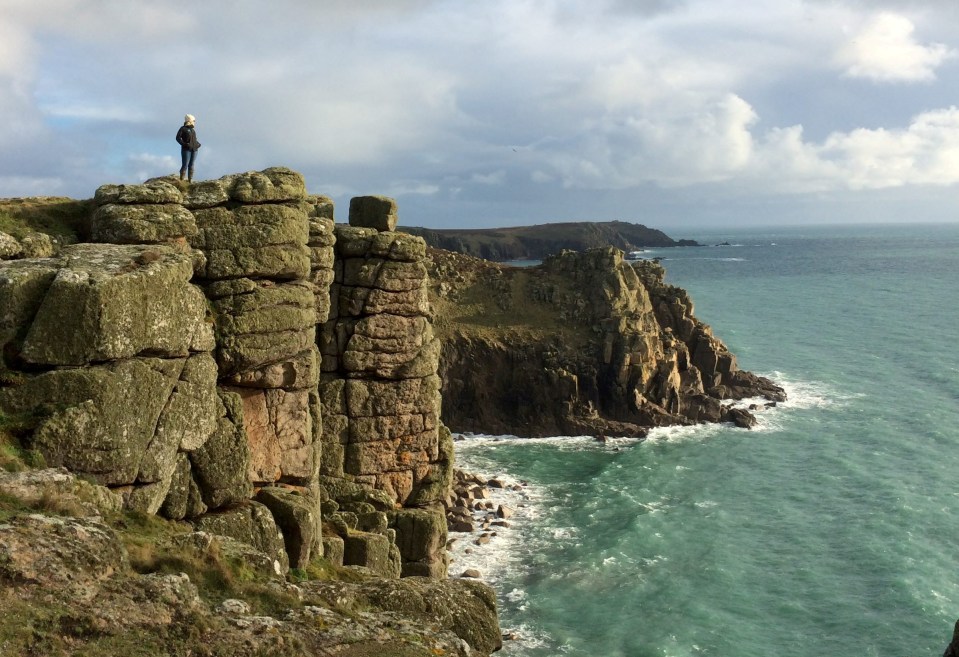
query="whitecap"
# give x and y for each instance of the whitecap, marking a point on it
(679, 433)
(516, 595)
(802, 394)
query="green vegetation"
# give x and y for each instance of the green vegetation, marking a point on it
(65, 218)
(14, 456)
(53, 627)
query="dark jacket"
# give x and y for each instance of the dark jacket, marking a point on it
(186, 137)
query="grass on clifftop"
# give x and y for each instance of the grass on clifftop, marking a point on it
(493, 301)
(62, 217)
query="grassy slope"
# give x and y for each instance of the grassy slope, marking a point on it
(62, 217)
(491, 301)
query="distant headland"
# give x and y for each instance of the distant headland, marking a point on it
(542, 240)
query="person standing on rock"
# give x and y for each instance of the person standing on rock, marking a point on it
(186, 137)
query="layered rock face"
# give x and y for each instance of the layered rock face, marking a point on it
(379, 386)
(586, 343)
(178, 365)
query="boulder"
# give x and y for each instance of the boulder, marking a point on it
(260, 322)
(99, 420)
(73, 556)
(205, 194)
(37, 486)
(333, 549)
(320, 206)
(156, 191)
(253, 524)
(220, 468)
(38, 245)
(269, 185)
(421, 538)
(298, 517)
(9, 247)
(740, 417)
(109, 302)
(357, 242)
(370, 551)
(141, 224)
(255, 240)
(377, 212)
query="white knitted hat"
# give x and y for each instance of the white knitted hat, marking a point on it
(189, 119)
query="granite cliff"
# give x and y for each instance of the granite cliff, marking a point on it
(224, 418)
(222, 356)
(585, 343)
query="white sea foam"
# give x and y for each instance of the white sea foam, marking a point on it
(562, 443)
(677, 434)
(800, 395)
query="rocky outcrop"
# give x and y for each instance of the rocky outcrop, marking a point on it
(81, 586)
(381, 394)
(586, 343)
(99, 331)
(175, 364)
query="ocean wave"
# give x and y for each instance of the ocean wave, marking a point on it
(679, 433)
(802, 394)
(469, 441)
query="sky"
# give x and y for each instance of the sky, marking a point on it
(485, 113)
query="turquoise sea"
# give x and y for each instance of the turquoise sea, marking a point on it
(832, 529)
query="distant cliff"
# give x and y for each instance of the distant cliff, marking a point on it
(537, 242)
(585, 343)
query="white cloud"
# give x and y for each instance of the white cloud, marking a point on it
(488, 100)
(885, 50)
(493, 178)
(925, 153)
(686, 142)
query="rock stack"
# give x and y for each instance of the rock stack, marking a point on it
(380, 390)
